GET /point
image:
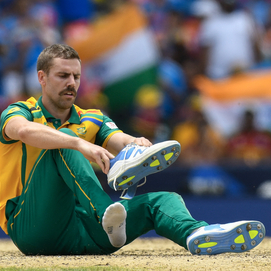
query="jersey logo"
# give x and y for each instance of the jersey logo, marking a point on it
(12, 110)
(81, 130)
(32, 109)
(111, 125)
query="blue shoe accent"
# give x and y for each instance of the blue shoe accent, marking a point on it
(129, 193)
(126, 154)
(135, 162)
(234, 237)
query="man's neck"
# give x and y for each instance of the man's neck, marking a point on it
(58, 113)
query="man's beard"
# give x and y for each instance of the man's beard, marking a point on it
(60, 103)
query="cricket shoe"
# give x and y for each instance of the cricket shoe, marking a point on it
(135, 162)
(114, 224)
(235, 237)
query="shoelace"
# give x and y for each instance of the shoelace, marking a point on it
(129, 146)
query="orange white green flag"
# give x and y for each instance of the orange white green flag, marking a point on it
(224, 101)
(118, 51)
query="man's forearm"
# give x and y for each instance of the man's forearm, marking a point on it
(38, 135)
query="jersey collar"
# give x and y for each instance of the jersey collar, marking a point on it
(74, 118)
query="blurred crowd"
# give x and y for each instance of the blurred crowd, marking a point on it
(214, 38)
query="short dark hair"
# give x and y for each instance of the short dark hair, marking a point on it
(46, 57)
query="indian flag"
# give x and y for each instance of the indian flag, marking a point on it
(224, 101)
(119, 51)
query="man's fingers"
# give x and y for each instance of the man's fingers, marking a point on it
(98, 155)
(110, 155)
(142, 141)
(102, 166)
(106, 161)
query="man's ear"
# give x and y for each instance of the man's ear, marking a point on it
(42, 77)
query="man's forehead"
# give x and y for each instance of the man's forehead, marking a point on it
(66, 65)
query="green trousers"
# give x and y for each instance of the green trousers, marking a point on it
(61, 207)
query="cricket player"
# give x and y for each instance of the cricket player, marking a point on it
(51, 202)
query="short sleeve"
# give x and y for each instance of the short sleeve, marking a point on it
(14, 110)
(107, 129)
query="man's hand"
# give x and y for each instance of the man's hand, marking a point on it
(119, 140)
(96, 154)
(142, 141)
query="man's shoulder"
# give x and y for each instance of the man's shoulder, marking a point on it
(29, 103)
(82, 112)
(20, 108)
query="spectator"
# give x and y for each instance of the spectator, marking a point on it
(147, 112)
(26, 34)
(250, 145)
(83, 10)
(173, 83)
(229, 41)
(200, 142)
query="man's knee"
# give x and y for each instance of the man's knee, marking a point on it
(171, 196)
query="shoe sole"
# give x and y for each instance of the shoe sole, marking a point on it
(152, 160)
(241, 238)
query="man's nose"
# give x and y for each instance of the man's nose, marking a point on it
(71, 81)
